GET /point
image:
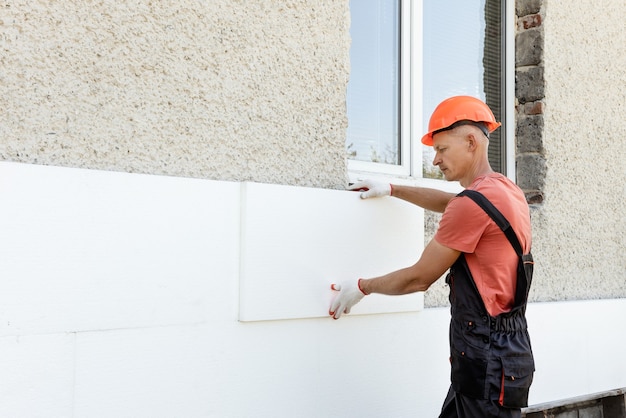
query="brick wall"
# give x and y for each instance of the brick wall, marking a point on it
(529, 93)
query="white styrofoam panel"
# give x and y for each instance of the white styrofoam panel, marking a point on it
(297, 241)
(578, 348)
(86, 249)
(256, 369)
(315, 367)
(150, 372)
(37, 376)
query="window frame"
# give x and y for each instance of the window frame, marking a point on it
(410, 102)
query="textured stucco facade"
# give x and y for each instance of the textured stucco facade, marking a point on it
(255, 91)
(580, 229)
(229, 90)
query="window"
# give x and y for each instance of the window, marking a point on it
(406, 57)
(374, 88)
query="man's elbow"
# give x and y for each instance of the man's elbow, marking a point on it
(417, 284)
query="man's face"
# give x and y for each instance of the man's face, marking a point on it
(452, 154)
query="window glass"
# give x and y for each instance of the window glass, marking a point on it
(461, 55)
(374, 88)
(460, 52)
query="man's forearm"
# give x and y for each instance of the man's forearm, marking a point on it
(430, 199)
(399, 282)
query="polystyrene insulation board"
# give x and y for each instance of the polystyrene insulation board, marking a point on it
(90, 250)
(297, 241)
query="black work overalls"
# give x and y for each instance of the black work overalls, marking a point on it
(491, 357)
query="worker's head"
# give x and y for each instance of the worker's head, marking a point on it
(459, 133)
(460, 110)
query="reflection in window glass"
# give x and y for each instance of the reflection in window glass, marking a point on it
(462, 55)
(373, 89)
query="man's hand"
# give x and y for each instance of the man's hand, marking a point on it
(350, 294)
(372, 188)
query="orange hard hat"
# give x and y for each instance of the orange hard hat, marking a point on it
(458, 108)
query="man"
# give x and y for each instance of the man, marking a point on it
(490, 353)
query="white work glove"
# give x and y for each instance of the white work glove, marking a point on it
(371, 188)
(350, 294)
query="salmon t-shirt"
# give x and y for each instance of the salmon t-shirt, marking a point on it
(466, 227)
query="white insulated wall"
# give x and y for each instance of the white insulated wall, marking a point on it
(125, 295)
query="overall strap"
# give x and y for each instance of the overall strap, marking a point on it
(497, 217)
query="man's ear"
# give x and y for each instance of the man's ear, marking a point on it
(472, 142)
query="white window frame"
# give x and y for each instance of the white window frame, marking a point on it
(509, 85)
(411, 129)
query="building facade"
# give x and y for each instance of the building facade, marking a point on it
(232, 92)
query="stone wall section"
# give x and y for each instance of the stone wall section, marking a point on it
(529, 94)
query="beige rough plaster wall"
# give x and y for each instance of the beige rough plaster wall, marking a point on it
(580, 230)
(438, 293)
(221, 89)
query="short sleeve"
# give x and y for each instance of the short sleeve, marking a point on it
(462, 225)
